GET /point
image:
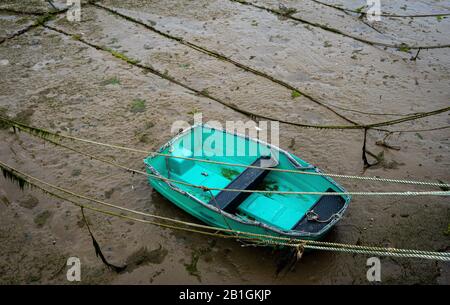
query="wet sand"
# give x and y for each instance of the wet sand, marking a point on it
(56, 82)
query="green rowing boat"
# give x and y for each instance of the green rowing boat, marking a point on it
(231, 181)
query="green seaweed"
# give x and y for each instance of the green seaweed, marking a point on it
(359, 9)
(41, 20)
(191, 267)
(76, 37)
(137, 105)
(193, 111)
(122, 56)
(9, 174)
(287, 11)
(404, 48)
(447, 233)
(228, 173)
(204, 92)
(295, 94)
(111, 81)
(268, 185)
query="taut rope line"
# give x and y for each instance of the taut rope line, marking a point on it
(43, 134)
(284, 241)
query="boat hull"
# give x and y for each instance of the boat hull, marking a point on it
(259, 214)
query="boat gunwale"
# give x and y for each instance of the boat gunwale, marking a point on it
(290, 233)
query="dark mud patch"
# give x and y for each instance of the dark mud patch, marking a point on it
(3, 113)
(109, 193)
(23, 116)
(143, 257)
(191, 267)
(41, 219)
(382, 162)
(29, 202)
(4, 199)
(76, 172)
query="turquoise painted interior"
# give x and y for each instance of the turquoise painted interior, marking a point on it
(282, 211)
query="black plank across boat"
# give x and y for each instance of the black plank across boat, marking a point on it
(249, 179)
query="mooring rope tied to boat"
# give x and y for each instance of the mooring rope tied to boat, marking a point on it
(44, 134)
(260, 238)
(238, 233)
(205, 189)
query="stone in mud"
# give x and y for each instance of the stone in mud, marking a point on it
(29, 202)
(41, 219)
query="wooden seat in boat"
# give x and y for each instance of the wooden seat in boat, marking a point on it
(249, 179)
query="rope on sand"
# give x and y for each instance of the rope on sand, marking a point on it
(234, 234)
(48, 136)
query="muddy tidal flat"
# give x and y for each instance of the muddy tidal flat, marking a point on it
(128, 69)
